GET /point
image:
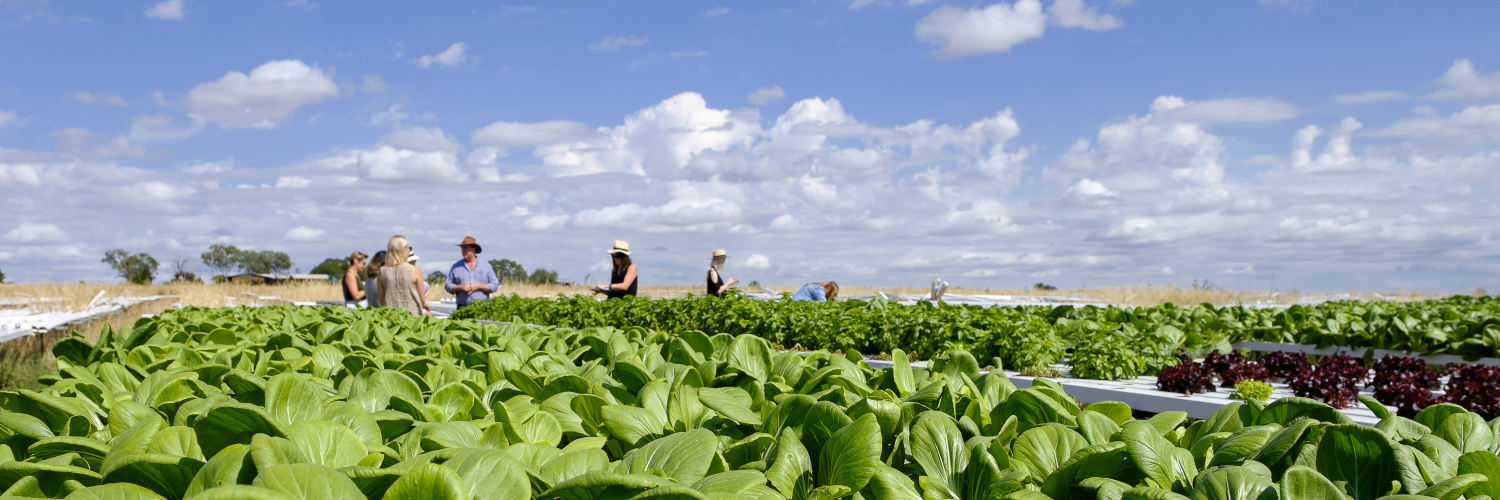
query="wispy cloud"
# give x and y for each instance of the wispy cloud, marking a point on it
(107, 100)
(453, 56)
(614, 43)
(170, 10)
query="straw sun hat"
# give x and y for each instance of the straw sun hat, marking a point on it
(620, 247)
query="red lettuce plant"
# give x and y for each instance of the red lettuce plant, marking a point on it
(1476, 388)
(1221, 363)
(1404, 383)
(1187, 377)
(1241, 372)
(1334, 380)
(1232, 368)
(1284, 365)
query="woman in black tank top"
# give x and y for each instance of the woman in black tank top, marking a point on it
(716, 284)
(623, 278)
(350, 284)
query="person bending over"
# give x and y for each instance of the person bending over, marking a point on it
(817, 292)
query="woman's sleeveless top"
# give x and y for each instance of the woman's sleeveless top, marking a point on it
(398, 290)
(714, 286)
(344, 285)
(617, 278)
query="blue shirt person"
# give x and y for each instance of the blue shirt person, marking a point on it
(817, 292)
(467, 279)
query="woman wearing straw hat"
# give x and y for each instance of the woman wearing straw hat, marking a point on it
(716, 284)
(623, 277)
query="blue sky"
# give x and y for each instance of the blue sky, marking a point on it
(1073, 142)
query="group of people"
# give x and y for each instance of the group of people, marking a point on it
(394, 280)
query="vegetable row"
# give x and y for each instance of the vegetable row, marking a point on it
(1408, 384)
(1098, 343)
(302, 403)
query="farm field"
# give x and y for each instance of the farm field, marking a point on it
(303, 402)
(59, 296)
(1111, 343)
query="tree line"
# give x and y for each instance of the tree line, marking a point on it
(223, 260)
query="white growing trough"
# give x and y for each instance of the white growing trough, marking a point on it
(22, 322)
(1141, 394)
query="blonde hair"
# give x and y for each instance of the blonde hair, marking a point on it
(396, 251)
(357, 257)
(830, 289)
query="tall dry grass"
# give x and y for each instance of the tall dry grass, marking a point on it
(59, 297)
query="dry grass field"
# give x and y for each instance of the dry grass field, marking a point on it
(43, 296)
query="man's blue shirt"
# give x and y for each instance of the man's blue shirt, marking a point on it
(460, 274)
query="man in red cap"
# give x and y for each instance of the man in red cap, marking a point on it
(469, 281)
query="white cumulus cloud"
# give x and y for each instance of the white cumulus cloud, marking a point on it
(960, 32)
(386, 163)
(1463, 81)
(35, 234)
(304, 233)
(262, 99)
(757, 261)
(995, 28)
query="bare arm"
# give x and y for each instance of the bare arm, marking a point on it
(623, 284)
(416, 275)
(629, 278)
(726, 284)
(351, 283)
